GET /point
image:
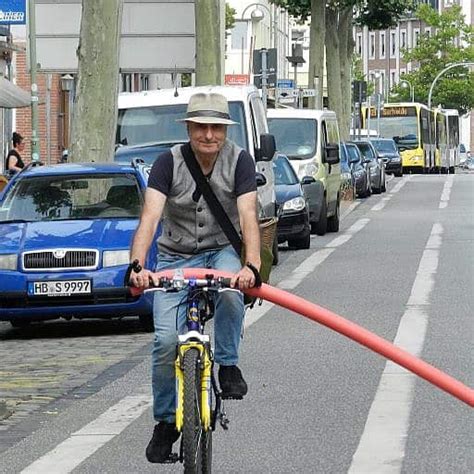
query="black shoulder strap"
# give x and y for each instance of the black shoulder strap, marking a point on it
(211, 199)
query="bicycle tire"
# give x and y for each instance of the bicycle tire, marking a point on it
(197, 443)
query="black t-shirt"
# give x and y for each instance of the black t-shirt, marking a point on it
(161, 174)
(14, 153)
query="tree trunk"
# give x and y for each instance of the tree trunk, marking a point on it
(316, 52)
(333, 64)
(346, 51)
(209, 47)
(95, 105)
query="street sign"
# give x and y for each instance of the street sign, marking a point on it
(236, 79)
(285, 83)
(288, 92)
(309, 93)
(13, 12)
(272, 63)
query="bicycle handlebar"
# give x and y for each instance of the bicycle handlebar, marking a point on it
(175, 281)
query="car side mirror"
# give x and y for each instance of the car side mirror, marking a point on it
(267, 148)
(307, 180)
(332, 154)
(261, 180)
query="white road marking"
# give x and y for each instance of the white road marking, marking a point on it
(446, 192)
(381, 204)
(83, 443)
(400, 185)
(381, 448)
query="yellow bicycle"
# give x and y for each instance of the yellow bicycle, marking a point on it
(199, 404)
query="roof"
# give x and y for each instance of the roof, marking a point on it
(167, 96)
(12, 96)
(300, 113)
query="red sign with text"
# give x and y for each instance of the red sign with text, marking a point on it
(237, 79)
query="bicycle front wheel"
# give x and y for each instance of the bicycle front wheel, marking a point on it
(197, 443)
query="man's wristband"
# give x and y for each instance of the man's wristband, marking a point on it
(258, 278)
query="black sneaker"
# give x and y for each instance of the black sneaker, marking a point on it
(232, 383)
(160, 446)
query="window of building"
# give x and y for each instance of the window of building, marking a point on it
(416, 37)
(428, 31)
(393, 77)
(359, 44)
(403, 39)
(382, 45)
(393, 44)
(372, 45)
(239, 35)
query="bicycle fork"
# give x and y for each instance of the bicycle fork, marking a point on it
(208, 386)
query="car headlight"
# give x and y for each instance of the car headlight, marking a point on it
(359, 173)
(395, 160)
(295, 204)
(8, 262)
(112, 258)
(373, 170)
(309, 169)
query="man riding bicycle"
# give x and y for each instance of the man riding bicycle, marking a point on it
(192, 237)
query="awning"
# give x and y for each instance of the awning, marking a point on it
(12, 96)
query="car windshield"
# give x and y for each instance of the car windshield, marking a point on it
(404, 130)
(296, 138)
(387, 146)
(158, 125)
(55, 198)
(284, 173)
(366, 150)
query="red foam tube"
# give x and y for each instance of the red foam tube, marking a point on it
(346, 328)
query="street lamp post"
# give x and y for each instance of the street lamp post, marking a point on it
(441, 73)
(255, 16)
(35, 145)
(412, 89)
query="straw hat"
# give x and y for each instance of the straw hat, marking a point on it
(208, 108)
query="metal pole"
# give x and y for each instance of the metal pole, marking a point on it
(35, 145)
(264, 77)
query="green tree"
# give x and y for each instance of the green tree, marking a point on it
(451, 41)
(229, 17)
(331, 28)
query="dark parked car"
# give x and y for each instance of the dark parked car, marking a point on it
(360, 170)
(375, 165)
(348, 181)
(387, 150)
(66, 231)
(293, 223)
(148, 152)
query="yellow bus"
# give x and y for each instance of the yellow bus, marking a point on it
(409, 124)
(441, 140)
(453, 144)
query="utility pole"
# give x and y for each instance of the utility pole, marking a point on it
(35, 146)
(209, 44)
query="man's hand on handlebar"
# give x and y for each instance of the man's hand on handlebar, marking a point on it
(248, 277)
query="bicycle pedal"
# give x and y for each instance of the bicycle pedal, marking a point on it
(224, 421)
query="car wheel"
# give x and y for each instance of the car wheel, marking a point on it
(399, 173)
(320, 227)
(275, 251)
(146, 320)
(300, 243)
(333, 222)
(384, 187)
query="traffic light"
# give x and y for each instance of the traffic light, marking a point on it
(359, 91)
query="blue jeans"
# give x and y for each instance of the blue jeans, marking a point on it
(169, 314)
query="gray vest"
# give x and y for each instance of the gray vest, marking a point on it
(189, 227)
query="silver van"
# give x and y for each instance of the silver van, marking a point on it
(310, 139)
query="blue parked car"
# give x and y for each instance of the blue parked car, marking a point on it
(65, 233)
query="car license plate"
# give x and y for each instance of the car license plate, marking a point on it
(59, 288)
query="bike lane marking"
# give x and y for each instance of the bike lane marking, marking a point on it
(74, 450)
(382, 444)
(83, 443)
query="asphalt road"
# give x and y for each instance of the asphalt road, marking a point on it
(401, 266)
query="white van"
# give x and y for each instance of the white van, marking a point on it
(310, 139)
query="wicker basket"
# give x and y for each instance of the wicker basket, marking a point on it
(267, 231)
